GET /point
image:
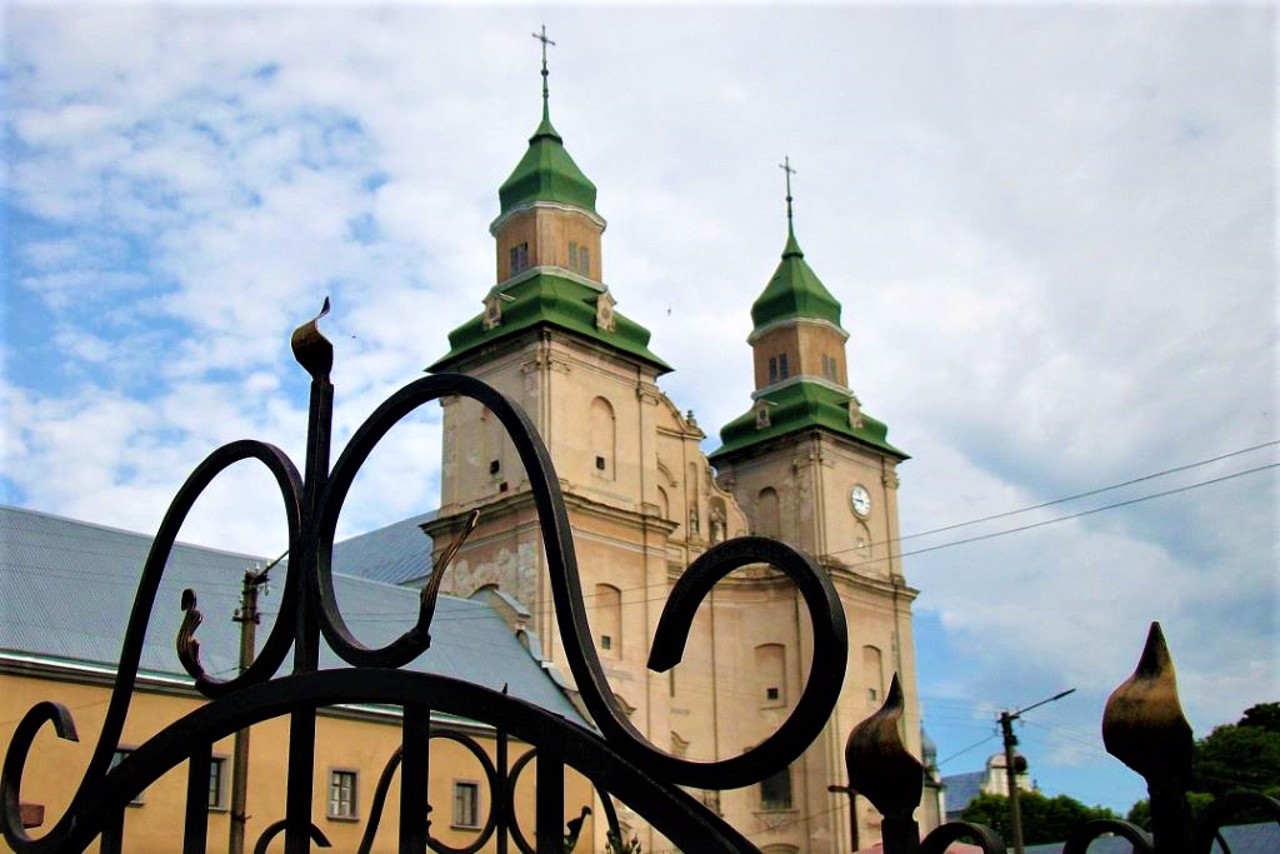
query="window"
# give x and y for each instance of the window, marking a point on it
(579, 259)
(217, 783)
(782, 367)
(873, 673)
(768, 513)
(604, 437)
(829, 368)
(775, 791)
(771, 673)
(495, 466)
(342, 794)
(466, 804)
(607, 619)
(519, 256)
(773, 369)
(116, 759)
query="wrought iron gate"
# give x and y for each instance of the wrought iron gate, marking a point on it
(1143, 725)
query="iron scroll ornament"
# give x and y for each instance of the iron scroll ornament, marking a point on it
(309, 608)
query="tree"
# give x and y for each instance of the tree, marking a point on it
(1044, 819)
(1239, 757)
(1244, 756)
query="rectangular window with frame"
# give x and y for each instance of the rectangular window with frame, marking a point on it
(573, 256)
(342, 794)
(782, 367)
(584, 261)
(773, 369)
(775, 791)
(218, 783)
(466, 804)
(116, 759)
(519, 257)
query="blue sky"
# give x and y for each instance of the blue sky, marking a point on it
(1051, 228)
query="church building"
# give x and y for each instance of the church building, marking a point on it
(804, 463)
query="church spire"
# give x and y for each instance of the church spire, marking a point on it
(545, 126)
(795, 291)
(547, 173)
(792, 247)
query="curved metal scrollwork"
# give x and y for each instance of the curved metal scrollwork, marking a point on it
(271, 831)
(309, 609)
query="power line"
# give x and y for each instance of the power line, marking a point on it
(1091, 492)
(1090, 512)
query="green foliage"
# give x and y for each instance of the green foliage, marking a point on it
(1044, 819)
(1239, 757)
(615, 845)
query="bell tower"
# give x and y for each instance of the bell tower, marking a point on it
(810, 467)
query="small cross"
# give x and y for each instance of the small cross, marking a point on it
(542, 37)
(785, 166)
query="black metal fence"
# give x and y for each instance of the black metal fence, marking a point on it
(1143, 725)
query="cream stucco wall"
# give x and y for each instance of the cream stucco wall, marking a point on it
(345, 740)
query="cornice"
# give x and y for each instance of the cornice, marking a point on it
(760, 331)
(496, 225)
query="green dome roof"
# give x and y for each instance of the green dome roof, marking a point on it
(547, 173)
(794, 291)
(548, 299)
(803, 405)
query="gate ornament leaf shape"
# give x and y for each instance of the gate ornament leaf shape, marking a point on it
(187, 644)
(431, 590)
(310, 348)
(1143, 725)
(877, 762)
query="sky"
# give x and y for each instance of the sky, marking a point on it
(1051, 227)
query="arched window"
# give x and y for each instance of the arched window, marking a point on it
(494, 437)
(862, 546)
(873, 674)
(771, 674)
(768, 516)
(607, 620)
(664, 503)
(604, 438)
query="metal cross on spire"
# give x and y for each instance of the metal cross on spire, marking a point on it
(542, 37)
(785, 166)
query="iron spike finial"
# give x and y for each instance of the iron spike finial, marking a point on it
(310, 348)
(1143, 725)
(878, 763)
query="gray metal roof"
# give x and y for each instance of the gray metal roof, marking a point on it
(1241, 838)
(961, 789)
(67, 588)
(396, 554)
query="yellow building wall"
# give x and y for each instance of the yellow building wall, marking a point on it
(154, 826)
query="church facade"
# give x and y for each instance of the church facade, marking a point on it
(804, 464)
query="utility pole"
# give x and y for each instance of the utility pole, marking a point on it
(1010, 770)
(248, 617)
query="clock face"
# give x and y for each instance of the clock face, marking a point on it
(860, 500)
